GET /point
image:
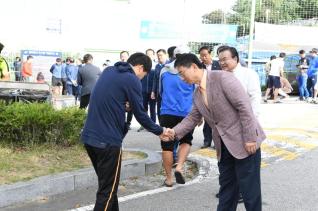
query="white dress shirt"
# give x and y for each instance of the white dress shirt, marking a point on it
(250, 81)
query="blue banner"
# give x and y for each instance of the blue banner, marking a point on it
(217, 33)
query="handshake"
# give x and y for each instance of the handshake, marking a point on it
(168, 134)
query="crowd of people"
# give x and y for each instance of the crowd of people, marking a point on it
(306, 77)
(187, 90)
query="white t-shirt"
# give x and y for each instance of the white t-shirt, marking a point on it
(277, 65)
(250, 82)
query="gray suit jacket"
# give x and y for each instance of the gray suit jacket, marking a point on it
(87, 77)
(229, 114)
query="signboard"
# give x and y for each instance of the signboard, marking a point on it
(42, 62)
(217, 33)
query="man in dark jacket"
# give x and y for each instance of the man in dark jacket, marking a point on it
(87, 77)
(146, 84)
(105, 126)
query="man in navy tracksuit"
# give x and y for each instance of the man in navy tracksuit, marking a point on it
(105, 126)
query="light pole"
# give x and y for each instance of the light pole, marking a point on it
(251, 35)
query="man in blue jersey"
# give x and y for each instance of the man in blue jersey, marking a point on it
(176, 103)
(105, 126)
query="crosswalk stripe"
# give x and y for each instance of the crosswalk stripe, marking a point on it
(312, 134)
(206, 152)
(264, 164)
(278, 152)
(293, 141)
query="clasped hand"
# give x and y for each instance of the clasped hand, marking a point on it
(167, 134)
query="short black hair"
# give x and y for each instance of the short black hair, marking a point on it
(58, 60)
(124, 52)
(29, 57)
(149, 49)
(301, 51)
(232, 50)
(205, 48)
(162, 50)
(272, 57)
(170, 51)
(1, 47)
(282, 55)
(187, 59)
(87, 57)
(140, 59)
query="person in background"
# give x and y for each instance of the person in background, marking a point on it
(312, 72)
(276, 71)
(162, 61)
(4, 67)
(56, 70)
(302, 76)
(124, 55)
(71, 75)
(147, 84)
(176, 103)
(285, 89)
(17, 68)
(27, 69)
(40, 78)
(206, 58)
(87, 77)
(64, 77)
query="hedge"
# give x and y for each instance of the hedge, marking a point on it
(38, 123)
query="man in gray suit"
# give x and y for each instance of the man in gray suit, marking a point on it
(225, 106)
(87, 77)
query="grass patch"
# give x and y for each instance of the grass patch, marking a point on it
(20, 164)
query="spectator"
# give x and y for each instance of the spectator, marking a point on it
(302, 76)
(27, 69)
(276, 71)
(124, 55)
(56, 70)
(312, 72)
(40, 78)
(147, 83)
(17, 68)
(71, 77)
(206, 59)
(162, 61)
(87, 77)
(175, 105)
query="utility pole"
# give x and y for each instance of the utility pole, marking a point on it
(251, 35)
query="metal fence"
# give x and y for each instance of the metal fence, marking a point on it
(278, 26)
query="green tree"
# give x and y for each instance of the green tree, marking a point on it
(214, 17)
(267, 11)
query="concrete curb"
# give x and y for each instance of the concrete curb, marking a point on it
(70, 181)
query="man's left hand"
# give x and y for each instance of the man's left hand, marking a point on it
(250, 147)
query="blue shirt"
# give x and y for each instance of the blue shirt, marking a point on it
(71, 73)
(313, 67)
(56, 70)
(176, 95)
